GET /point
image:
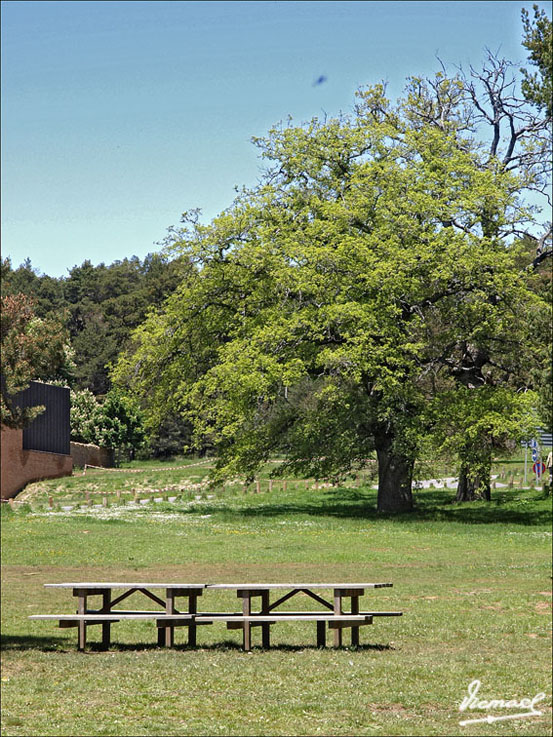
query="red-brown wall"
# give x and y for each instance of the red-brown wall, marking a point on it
(91, 455)
(20, 467)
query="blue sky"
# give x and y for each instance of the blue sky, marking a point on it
(118, 116)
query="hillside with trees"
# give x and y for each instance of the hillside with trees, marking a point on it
(101, 305)
(89, 316)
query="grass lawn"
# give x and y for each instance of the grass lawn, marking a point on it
(473, 581)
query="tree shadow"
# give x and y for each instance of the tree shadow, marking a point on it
(430, 505)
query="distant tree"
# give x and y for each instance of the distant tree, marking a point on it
(46, 291)
(31, 348)
(86, 417)
(172, 437)
(106, 303)
(120, 424)
(116, 422)
(95, 346)
(474, 427)
(538, 40)
(101, 305)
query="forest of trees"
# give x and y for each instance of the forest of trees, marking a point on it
(89, 316)
(386, 286)
(101, 305)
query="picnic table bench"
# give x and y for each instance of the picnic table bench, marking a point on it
(333, 614)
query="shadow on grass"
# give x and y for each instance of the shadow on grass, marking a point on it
(29, 642)
(513, 507)
(227, 645)
(55, 644)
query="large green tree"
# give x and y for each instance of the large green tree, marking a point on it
(331, 307)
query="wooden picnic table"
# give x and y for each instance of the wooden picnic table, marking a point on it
(341, 591)
(83, 590)
(333, 615)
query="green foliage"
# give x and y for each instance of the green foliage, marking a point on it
(120, 422)
(31, 348)
(540, 367)
(101, 305)
(538, 40)
(170, 438)
(86, 417)
(545, 402)
(116, 422)
(106, 303)
(476, 426)
(365, 279)
(46, 291)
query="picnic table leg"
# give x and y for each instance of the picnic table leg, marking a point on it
(247, 629)
(265, 628)
(321, 634)
(81, 629)
(160, 636)
(169, 609)
(192, 609)
(355, 630)
(337, 610)
(106, 603)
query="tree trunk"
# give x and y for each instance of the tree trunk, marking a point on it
(474, 482)
(395, 476)
(465, 489)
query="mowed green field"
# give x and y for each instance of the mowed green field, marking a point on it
(473, 581)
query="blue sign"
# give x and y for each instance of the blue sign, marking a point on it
(533, 443)
(534, 455)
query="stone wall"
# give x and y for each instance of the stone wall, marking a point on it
(20, 467)
(91, 455)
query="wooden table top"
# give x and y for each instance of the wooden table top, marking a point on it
(222, 586)
(126, 585)
(297, 585)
